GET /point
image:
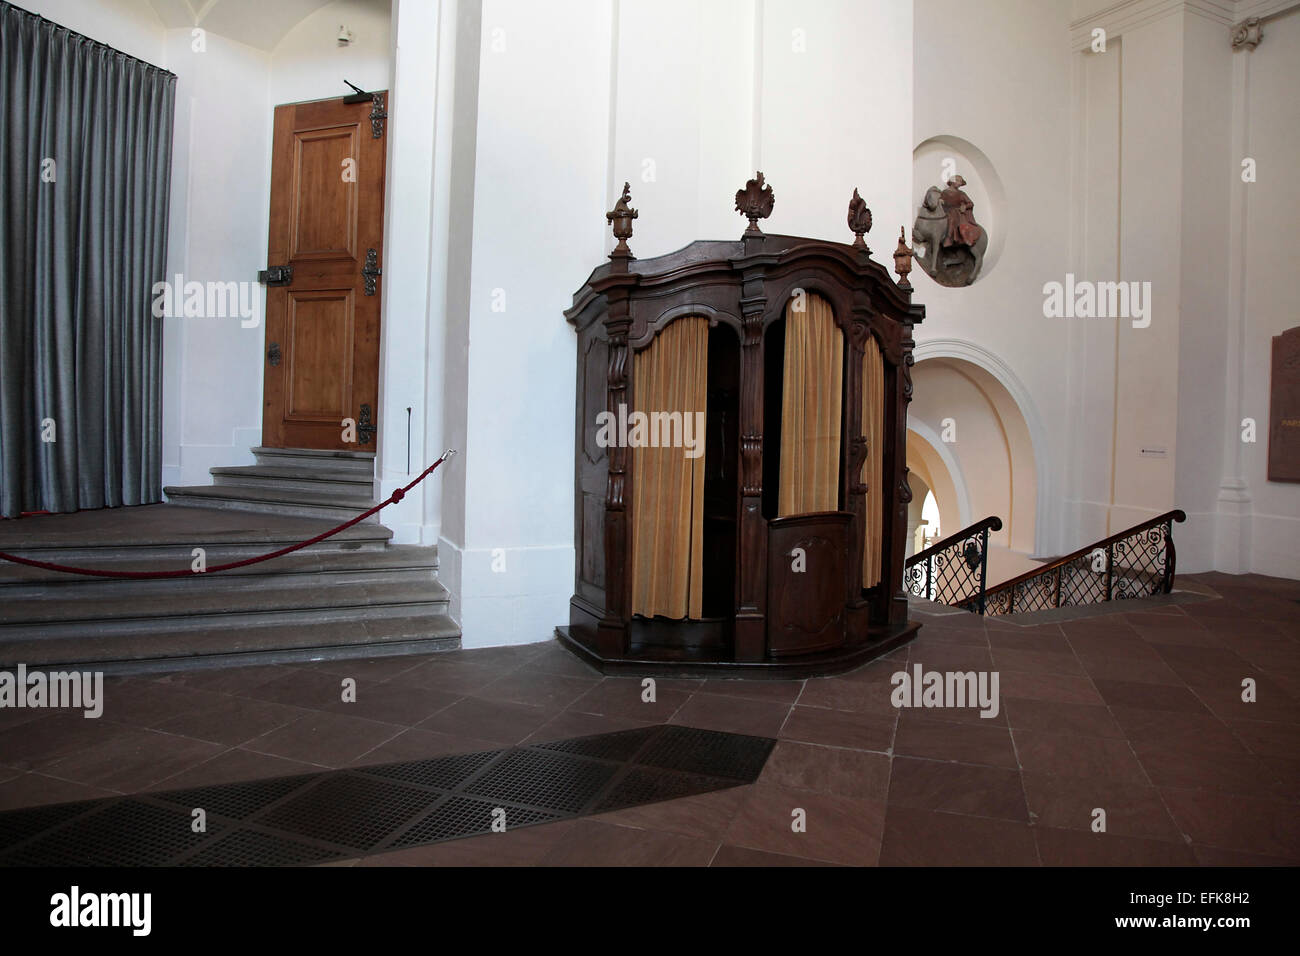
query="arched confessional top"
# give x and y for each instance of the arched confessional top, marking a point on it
(740, 479)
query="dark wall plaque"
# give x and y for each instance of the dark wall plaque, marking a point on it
(1284, 408)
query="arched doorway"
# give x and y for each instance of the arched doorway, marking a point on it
(934, 472)
(971, 444)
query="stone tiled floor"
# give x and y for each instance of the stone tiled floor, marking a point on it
(1138, 713)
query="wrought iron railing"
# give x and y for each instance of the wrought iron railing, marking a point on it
(955, 570)
(1136, 562)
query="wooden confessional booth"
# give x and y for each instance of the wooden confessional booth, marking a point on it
(772, 544)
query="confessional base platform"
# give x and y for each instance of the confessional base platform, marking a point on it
(652, 661)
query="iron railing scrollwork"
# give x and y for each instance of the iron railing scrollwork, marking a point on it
(955, 570)
(1136, 562)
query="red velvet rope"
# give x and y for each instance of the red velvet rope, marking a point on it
(396, 496)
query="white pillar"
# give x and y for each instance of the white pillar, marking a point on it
(411, 328)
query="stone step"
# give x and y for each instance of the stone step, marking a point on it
(126, 613)
(161, 648)
(353, 594)
(292, 502)
(145, 547)
(361, 463)
(346, 484)
(306, 568)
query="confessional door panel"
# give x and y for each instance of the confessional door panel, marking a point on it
(806, 579)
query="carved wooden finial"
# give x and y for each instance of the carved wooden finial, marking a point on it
(621, 217)
(903, 260)
(859, 220)
(755, 202)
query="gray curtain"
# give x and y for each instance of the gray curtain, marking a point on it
(82, 241)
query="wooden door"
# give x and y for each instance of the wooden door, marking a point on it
(321, 357)
(805, 590)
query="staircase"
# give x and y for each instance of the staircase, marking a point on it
(289, 481)
(1137, 562)
(355, 594)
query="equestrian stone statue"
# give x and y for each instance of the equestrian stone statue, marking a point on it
(954, 243)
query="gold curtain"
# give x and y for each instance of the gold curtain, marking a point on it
(810, 409)
(873, 429)
(670, 375)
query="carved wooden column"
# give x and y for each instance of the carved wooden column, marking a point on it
(754, 202)
(896, 532)
(855, 458)
(858, 330)
(897, 535)
(898, 395)
(751, 622)
(612, 634)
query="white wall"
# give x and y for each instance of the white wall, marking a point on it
(836, 116)
(685, 101)
(411, 335)
(514, 124)
(1164, 118)
(1124, 165)
(225, 95)
(226, 98)
(309, 63)
(127, 25)
(1151, 172)
(681, 119)
(212, 380)
(217, 228)
(1092, 346)
(997, 76)
(1205, 209)
(1270, 281)
(541, 156)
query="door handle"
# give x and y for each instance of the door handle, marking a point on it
(273, 354)
(276, 275)
(366, 426)
(371, 271)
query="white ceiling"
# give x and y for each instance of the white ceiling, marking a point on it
(257, 23)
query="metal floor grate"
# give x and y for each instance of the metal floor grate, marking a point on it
(709, 752)
(464, 816)
(337, 814)
(17, 826)
(548, 781)
(440, 773)
(255, 847)
(237, 801)
(127, 832)
(650, 785)
(350, 810)
(617, 746)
